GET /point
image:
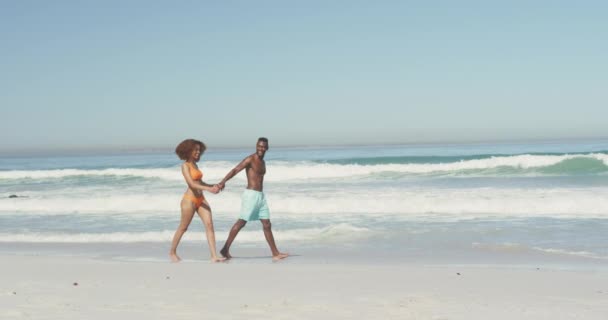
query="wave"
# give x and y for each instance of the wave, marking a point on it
(214, 170)
(339, 232)
(409, 203)
(160, 173)
(286, 171)
(585, 254)
(521, 248)
(439, 159)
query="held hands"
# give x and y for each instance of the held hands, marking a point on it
(217, 188)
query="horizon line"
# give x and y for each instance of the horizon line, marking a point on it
(113, 150)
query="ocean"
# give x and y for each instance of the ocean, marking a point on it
(491, 203)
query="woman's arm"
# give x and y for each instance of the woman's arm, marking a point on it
(194, 184)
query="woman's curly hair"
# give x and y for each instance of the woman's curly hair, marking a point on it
(185, 148)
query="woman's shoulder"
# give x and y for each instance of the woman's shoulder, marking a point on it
(190, 165)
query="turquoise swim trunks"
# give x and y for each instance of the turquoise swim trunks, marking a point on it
(254, 206)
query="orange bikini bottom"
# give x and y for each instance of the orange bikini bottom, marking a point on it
(197, 201)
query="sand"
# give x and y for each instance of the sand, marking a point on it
(51, 287)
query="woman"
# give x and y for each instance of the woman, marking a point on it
(190, 151)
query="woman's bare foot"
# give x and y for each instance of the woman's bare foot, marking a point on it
(280, 256)
(225, 253)
(174, 257)
(218, 259)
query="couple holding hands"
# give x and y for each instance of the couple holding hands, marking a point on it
(253, 204)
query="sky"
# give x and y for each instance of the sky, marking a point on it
(144, 74)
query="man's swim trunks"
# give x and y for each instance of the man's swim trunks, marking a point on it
(254, 206)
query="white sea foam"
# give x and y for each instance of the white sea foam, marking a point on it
(215, 171)
(501, 247)
(167, 174)
(305, 170)
(584, 254)
(337, 232)
(107, 203)
(518, 247)
(408, 203)
(286, 172)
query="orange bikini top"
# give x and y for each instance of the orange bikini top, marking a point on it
(195, 173)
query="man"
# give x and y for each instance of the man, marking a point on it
(253, 203)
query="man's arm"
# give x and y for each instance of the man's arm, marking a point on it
(235, 171)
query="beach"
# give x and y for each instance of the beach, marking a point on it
(469, 231)
(356, 160)
(47, 287)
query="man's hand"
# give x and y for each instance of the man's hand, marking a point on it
(215, 189)
(221, 185)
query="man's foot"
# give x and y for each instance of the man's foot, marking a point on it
(218, 259)
(225, 253)
(280, 256)
(174, 257)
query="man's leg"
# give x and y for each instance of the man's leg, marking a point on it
(238, 225)
(276, 255)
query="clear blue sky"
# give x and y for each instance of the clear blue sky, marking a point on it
(94, 74)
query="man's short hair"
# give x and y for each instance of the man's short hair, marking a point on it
(263, 139)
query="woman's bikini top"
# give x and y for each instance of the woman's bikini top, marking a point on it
(195, 173)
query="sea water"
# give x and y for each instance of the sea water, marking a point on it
(486, 203)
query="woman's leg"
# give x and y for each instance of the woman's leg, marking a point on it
(187, 213)
(204, 211)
